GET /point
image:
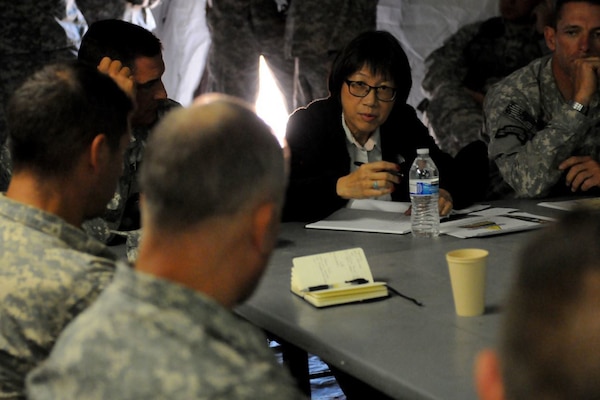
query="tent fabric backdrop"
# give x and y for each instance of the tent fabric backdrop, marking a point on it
(420, 25)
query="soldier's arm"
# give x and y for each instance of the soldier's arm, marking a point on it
(527, 155)
(450, 105)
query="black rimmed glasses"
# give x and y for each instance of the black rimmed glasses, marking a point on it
(361, 89)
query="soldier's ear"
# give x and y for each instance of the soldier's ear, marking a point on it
(99, 152)
(264, 227)
(488, 377)
(550, 36)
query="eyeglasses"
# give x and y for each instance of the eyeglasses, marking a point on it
(361, 89)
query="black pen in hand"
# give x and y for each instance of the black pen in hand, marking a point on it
(389, 171)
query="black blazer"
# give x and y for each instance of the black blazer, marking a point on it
(319, 156)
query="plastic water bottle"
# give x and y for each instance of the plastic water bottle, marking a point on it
(424, 183)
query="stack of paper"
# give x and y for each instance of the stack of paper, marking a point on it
(493, 225)
(389, 217)
(368, 216)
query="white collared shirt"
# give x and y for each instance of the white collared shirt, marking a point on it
(369, 152)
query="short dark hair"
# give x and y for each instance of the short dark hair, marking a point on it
(56, 113)
(119, 40)
(381, 52)
(558, 6)
(213, 159)
(550, 344)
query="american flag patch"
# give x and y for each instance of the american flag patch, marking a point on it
(516, 112)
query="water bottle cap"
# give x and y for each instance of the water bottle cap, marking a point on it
(422, 151)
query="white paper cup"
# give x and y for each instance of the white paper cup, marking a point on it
(467, 274)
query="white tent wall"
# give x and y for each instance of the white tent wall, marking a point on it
(420, 25)
(181, 26)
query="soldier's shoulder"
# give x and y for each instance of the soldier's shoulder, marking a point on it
(525, 79)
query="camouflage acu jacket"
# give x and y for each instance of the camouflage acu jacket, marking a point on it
(148, 338)
(532, 129)
(49, 272)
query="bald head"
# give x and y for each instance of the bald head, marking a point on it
(215, 158)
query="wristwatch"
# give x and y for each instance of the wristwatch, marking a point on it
(578, 107)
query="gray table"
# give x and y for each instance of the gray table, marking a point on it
(404, 350)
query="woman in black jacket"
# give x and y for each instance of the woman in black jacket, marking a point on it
(361, 140)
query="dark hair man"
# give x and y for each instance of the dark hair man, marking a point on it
(68, 129)
(141, 51)
(459, 73)
(542, 119)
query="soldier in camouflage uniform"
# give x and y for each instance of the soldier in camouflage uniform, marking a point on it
(165, 330)
(30, 37)
(299, 40)
(49, 268)
(459, 73)
(141, 51)
(32, 34)
(543, 121)
(315, 32)
(97, 10)
(241, 31)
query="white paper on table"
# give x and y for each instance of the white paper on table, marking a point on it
(474, 208)
(568, 205)
(480, 226)
(368, 215)
(360, 220)
(378, 205)
(490, 212)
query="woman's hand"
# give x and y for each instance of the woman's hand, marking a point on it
(369, 180)
(445, 202)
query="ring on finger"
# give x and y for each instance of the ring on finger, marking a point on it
(375, 185)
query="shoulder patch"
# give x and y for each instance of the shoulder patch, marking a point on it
(518, 131)
(519, 114)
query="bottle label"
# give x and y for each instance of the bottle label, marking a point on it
(424, 187)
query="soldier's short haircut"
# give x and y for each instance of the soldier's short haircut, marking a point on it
(119, 40)
(56, 113)
(217, 158)
(558, 5)
(381, 52)
(550, 344)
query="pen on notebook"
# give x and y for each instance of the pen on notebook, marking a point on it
(357, 281)
(397, 173)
